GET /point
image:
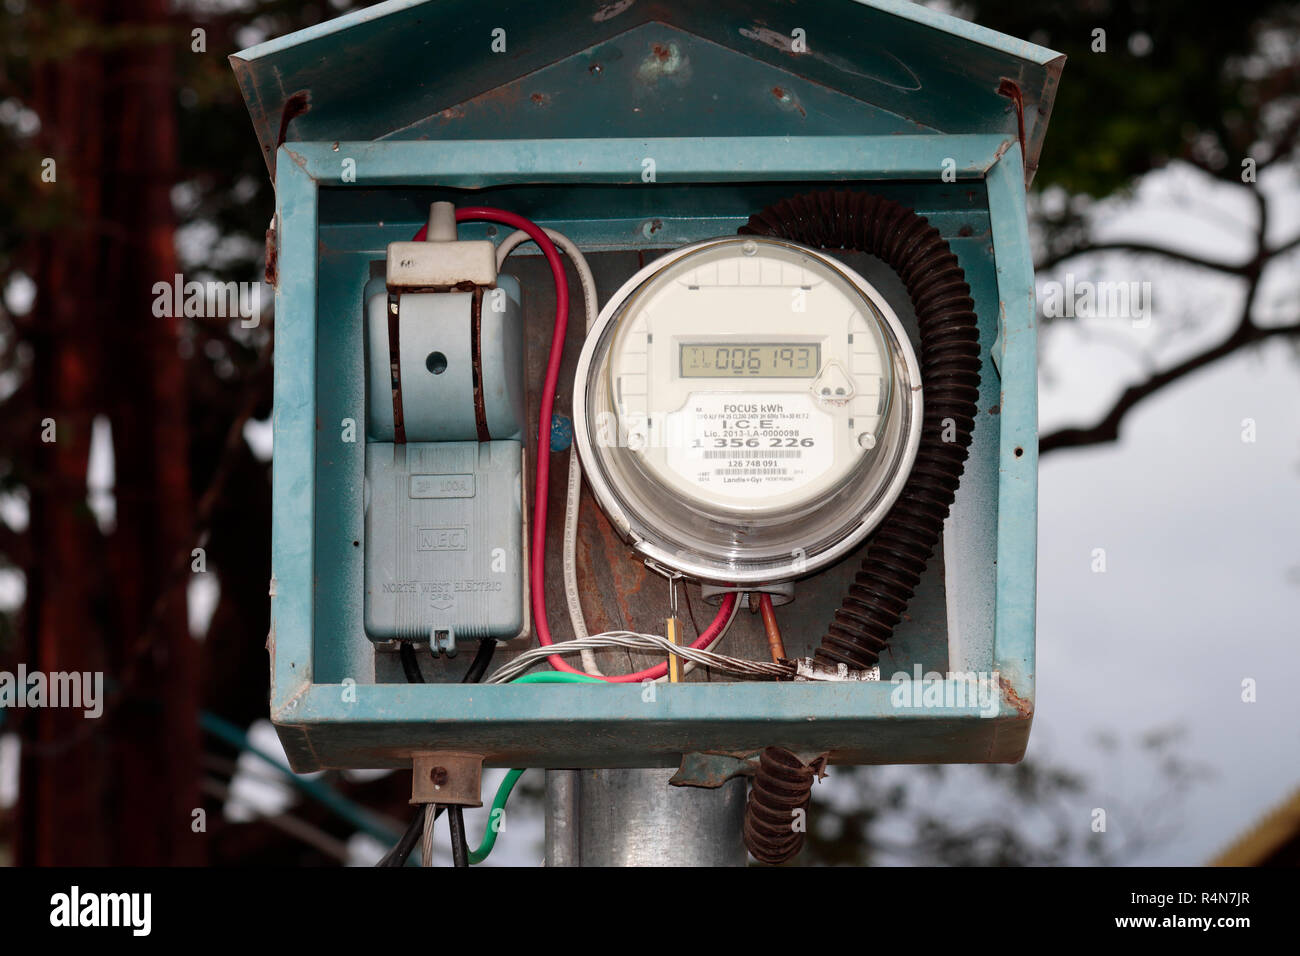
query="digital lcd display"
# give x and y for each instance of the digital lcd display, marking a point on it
(753, 360)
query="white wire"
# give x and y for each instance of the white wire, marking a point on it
(652, 642)
(573, 500)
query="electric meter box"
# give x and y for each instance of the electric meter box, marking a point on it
(637, 129)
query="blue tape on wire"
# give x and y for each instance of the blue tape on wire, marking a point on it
(561, 432)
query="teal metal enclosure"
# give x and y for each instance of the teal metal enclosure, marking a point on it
(634, 127)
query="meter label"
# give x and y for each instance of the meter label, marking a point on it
(751, 445)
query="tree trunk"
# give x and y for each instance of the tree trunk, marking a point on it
(120, 790)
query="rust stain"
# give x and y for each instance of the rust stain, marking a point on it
(272, 273)
(787, 99)
(295, 106)
(1011, 90)
(1023, 708)
(541, 99)
(613, 547)
(627, 576)
(664, 61)
(509, 93)
(610, 596)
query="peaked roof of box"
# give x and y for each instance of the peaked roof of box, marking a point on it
(435, 69)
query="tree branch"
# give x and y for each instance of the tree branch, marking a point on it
(1285, 247)
(1107, 430)
(1244, 334)
(1143, 248)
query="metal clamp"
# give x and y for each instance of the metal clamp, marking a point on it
(451, 779)
(781, 594)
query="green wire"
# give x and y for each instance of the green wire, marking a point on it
(508, 784)
(498, 804)
(556, 677)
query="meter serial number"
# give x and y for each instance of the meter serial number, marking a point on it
(751, 445)
(792, 442)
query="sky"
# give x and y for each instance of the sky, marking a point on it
(1199, 524)
(1200, 593)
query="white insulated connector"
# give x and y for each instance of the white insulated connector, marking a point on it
(442, 261)
(442, 222)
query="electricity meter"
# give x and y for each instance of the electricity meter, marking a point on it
(747, 410)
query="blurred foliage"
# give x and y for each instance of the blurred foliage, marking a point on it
(1035, 813)
(1176, 80)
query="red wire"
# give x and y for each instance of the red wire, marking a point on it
(537, 573)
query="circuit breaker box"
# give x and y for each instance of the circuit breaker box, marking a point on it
(444, 502)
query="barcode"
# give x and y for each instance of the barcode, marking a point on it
(750, 472)
(755, 453)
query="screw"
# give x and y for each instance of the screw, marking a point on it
(438, 776)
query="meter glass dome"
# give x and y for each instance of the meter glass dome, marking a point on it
(747, 410)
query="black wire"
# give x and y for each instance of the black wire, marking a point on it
(406, 651)
(690, 611)
(459, 848)
(478, 667)
(399, 854)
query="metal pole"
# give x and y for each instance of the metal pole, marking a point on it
(636, 818)
(561, 818)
